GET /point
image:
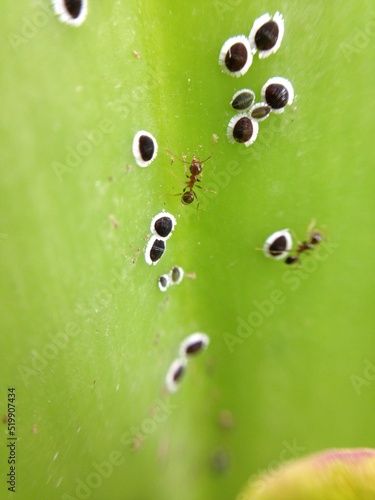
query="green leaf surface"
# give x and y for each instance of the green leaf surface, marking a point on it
(87, 337)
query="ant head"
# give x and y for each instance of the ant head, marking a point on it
(195, 166)
(316, 238)
(187, 198)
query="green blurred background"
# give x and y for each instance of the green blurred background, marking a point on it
(86, 335)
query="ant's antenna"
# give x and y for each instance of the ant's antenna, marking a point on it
(181, 158)
(214, 140)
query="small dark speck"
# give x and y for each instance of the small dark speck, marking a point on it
(156, 340)
(220, 461)
(114, 221)
(136, 253)
(226, 420)
(164, 304)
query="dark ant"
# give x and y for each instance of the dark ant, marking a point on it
(315, 238)
(196, 173)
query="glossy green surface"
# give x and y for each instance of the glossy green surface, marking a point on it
(65, 267)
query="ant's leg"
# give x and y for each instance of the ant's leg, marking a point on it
(213, 142)
(310, 227)
(293, 260)
(205, 189)
(299, 242)
(174, 194)
(176, 177)
(177, 194)
(196, 197)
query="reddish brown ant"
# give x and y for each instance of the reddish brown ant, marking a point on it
(196, 173)
(315, 238)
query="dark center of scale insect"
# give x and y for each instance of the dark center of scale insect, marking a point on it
(277, 96)
(278, 246)
(236, 57)
(243, 130)
(163, 282)
(243, 101)
(178, 373)
(175, 274)
(260, 112)
(195, 347)
(146, 147)
(163, 226)
(157, 250)
(74, 7)
(267, 35)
